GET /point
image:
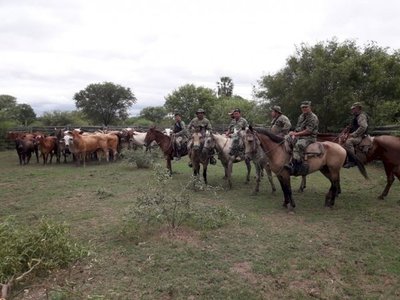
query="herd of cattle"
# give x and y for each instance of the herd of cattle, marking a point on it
(75, 144)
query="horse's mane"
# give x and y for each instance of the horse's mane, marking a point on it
(275, 138)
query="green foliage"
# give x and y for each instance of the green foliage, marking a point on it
(333, 75)
(159, 204)
(104, 103)
(188, 98)
(41, 248)
(153, 113)
(21, 114)
(142, 159)
(62, 118)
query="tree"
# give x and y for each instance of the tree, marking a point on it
(225, 87)
(62, 118)
(25, 114)
(105, 102)
(333, 75)
(153, 113)
(188, 98)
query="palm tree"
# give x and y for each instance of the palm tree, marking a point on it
(225, 87)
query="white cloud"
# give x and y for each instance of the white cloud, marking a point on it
(51, 50)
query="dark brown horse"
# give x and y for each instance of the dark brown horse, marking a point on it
(165, 143)
(328, 162)
(385, 148)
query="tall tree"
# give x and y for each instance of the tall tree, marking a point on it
(105, 102)
(188, 98)
(225, 87)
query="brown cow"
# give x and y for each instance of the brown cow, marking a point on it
(86, 144)
(25, 145)
(48, 145)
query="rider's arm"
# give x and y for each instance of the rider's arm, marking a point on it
(362, 123)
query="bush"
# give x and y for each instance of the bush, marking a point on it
(27, 249)
(160, 203)
(142, 159)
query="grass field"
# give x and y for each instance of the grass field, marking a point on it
(348, 252)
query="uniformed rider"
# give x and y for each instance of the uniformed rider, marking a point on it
(180, 135)
(237, 123)
(358, 129)
(304, 134)
(280, 124)
(200, 123)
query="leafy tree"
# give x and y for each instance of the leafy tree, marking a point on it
(105, 102)
(225, 87)
(7, 102)
(25, 114)
(333, 75)
(188, 98)
(154, 113)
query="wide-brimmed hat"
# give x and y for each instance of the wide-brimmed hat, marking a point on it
(356, 104)
(305, 104)
(276, 108)
(200, 111)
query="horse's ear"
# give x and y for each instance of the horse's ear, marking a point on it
(251, 128)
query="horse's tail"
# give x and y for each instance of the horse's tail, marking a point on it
(358, 163)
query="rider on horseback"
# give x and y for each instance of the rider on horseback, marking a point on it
(200, 123)
(358, 129)
(280, 124)
(305, 134)
(180, 135)
(238, 123)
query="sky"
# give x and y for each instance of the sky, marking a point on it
(50, 50)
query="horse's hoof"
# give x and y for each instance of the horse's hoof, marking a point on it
(381, 197)
(254, 194)
(246, 182)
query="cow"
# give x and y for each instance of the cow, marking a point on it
(25, 145)
(48, 145)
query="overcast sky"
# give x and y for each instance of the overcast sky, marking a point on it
(49, 50)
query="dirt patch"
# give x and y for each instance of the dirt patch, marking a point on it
(244, 270)
(181, 234)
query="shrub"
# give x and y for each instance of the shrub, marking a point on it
(34, 249)
(158, 204)
(142, 159)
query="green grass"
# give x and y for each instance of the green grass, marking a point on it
(348, 252)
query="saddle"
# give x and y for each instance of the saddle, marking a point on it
(314, 150)
(365, 144)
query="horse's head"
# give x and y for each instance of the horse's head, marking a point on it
(209, 142)
(251, 142)
(150, 136)
(197, 140)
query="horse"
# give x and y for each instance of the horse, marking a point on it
(223, 144)
(329, 161)
(199, 155)
(165, 143)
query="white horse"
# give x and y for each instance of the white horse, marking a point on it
(223, 144)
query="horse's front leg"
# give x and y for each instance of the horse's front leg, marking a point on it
(270, 179)
(205, 173)
(169, 166)
(229, 173)
(258, 179)
(248, 166)
(303, 184)
(284, 180)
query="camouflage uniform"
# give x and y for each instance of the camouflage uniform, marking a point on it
(234, 127)
(180, 136)
(196, 125)
(358, 129)
(280, 125)
(310, 122)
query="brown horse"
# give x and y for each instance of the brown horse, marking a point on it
(165, 142)
(385, 148)
(199, 155)
(329, 162)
